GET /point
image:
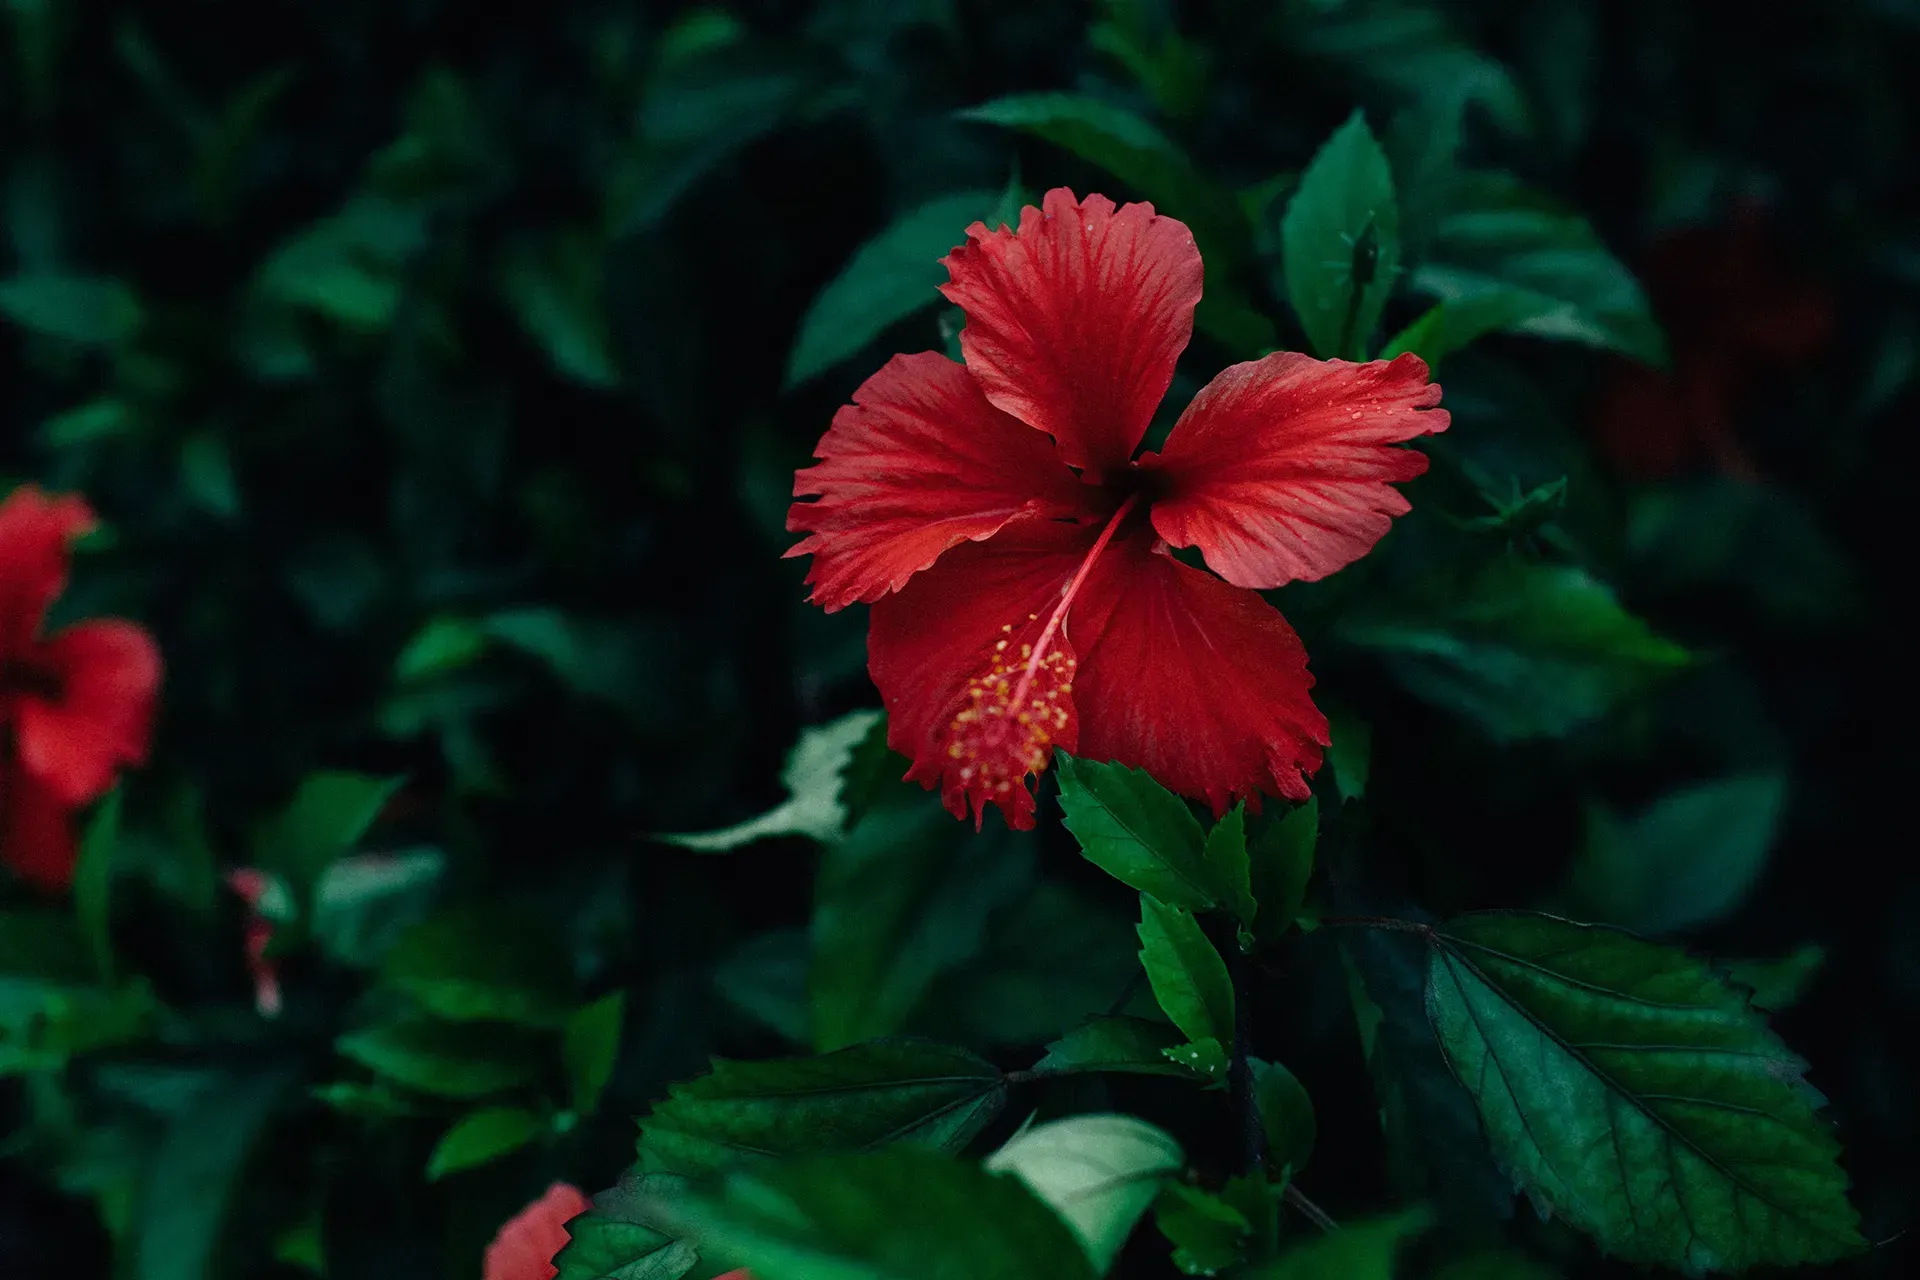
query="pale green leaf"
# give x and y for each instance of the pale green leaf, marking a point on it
(814, 779)
(1100, 1173)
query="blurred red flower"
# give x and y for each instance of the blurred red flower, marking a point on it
(253, 885)
(1732, 314)
(524, 1247)
(75, 706)
(1017, 553)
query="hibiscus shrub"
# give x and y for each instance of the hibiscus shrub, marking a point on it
(1059, 641)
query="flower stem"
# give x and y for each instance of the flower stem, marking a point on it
(1309, 1210)
(1246, 1103)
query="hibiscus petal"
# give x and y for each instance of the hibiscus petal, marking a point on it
(109, 674)
(1074, 322)
(524, 1247)
(36, 835)
(1282, 469)
(1202, 684)
(918, 463)
(933, 643)
(34, 532)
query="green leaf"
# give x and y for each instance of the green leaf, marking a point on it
(326, 818)
(1413, 49)
(1633, 1091)
(93, 881)
(858, 1098)
(1112, 1043)
(447, 1060)
(900, 1214)
(1496, 1264)
(1524, 649)
(91, 310)
(1286, 1115)
(1282, 863)
(1208, 1234)
(483, 963)
(1341, 242)
(556, 293)
(590, 1047)
(1187, 975)
(1778, 984)
(622, 1238)
(1509, 259)
(766, 978)
(43, 956)
(1100, 1173)
(190, 1180)
(482, 1136)
(1687, 860)
(1226, 854)
(1357, 1251)
(892, 276)
(364, 903)
(898, 904)
(814, 778)
(443, 644)
(1137, 831)
(1351, 755)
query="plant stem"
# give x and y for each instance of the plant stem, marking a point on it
(1377, 922)
(1246, 1105)
(1309, 1210)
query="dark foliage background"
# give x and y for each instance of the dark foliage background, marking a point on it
(431, 375)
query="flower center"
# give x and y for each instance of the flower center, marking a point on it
(1014, 711)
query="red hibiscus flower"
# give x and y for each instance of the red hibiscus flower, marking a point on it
(75, 706)
(1017, 553)
(524, 1247)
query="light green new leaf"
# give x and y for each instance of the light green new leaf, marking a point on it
(1100, 1173)
(1634, 1092)
(1510, 259)
(1687, 860)
(445, 1059)
(1341, 242)
(900, 1214)
(482, 1136)
(1282, 864)
(1130, 1045)
(866, 1096)
(1138, 832)
(1523, 648)
(90, 310)
(622, 1236)
(1358, 1251)
(813, 777)
(589, 1048)
(1187, 975)
(890, 277)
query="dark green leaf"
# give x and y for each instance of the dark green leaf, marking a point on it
(890, 277)
(1628, 1088)
(767, 979)
(92, 310)
(1341, 242)
(1100, 1173)
(555, 292)
(1131, 1045)
(1414, 49)
(1358, 1251)
(1500, 1264)
(891, 1215)
(1282, 864)
(1351, 755)
(1286, 1114)
(1687, 860)
(444, 644)
(1137, 831)
(1188, 977)
(1208, 1234)
(93, 875)
(1226, 854)
(1507, 258)
(448, 1060)
(1522, 648)
(482, 1136)
(858, 1098)
(326, 818)
(899, 903)
(1778, 984)
(364, 903)
(814, 777)
(621, 1238)
(191, 1178)
(42, 954)
(589, 1048)
(483, 963)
